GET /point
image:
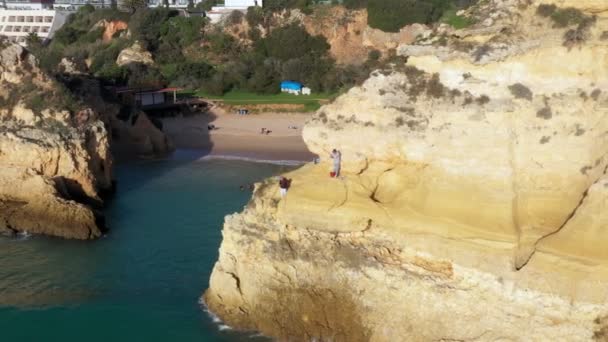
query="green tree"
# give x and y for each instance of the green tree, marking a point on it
(146, 26)
(292, 41)
(354, 4)
(34, 43)
(392, 15)
(133, 5)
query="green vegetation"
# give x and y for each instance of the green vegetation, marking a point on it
(458, 22)
(386, 15)
(392, 15)
(190, 53)
(311, 102)
(567, 17)
(563, 17)
(520, 91)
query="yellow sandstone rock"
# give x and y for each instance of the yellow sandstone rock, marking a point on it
(472, 205)
(51, 160)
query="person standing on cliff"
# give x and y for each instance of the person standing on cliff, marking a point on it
(284, 185)
(337, 158)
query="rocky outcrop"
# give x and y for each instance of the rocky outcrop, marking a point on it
(472, 209)
(32, 203)
(140, 137)
(134, 54)
(133, 133)
(54, 153)
(351, 39)
(111, 28)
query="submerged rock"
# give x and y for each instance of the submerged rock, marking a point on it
(472, 204)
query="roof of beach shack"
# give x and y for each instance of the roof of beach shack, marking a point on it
(291, 85)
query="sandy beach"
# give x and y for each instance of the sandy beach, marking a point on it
(239, 135)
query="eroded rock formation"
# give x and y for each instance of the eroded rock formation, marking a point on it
(134, 54)
(54, 153)
(472, 204)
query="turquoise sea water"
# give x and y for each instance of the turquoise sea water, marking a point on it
(142, 281)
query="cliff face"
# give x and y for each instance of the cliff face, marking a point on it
(347, 33)
(54, 153)
(349, 36)
(472, 204)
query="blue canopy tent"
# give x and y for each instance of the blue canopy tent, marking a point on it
(291, 87)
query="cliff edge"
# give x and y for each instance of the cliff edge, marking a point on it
(54, 153)
(473, 199)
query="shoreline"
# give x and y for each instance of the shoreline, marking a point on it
(238, 137)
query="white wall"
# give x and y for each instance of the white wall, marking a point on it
(26, 21)
(242, 3)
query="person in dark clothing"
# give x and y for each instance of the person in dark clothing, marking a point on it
(284, 185)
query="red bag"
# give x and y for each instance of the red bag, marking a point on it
(332, 174)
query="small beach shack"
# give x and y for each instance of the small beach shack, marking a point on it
(291, 87)
(148, 97)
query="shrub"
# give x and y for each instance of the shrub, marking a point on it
(107, 55)
(182, 31)
(567, 17)
(235, 17)
(545, 10)
(190, 74)
(451, 18)
(146, 26)
(255, 16)
(92, 36)
(374, 55)
(143, 76)
(399, 121)
(67, 35)
(291, 41)
(264, 80)
(49, 59)
(207, 4)
(392, 15)
(218, 84)
(434, 87)
(112, 73)
(545, 113)
(482, 100)
(520, 91)
(255, 34)
(482, 51)
(354, 4)
(579, 35)
(279, 5)
(168, 53)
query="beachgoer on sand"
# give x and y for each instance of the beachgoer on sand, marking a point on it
(284, 184)
(337, 158)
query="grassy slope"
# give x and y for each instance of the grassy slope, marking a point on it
(311, 102)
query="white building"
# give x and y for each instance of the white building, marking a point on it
(26, 4)
(217, 12)
(172, 3)
(16, 24)
(73, 5)
(242, 4)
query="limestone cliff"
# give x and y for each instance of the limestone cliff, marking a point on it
(54, 153)
(134, 54)
(347, 33)
(473, 199)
